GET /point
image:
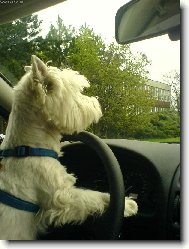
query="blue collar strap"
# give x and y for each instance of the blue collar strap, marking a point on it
(17, 203)
(25, 151)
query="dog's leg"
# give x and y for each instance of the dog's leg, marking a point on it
(131, 207)
(74, 205)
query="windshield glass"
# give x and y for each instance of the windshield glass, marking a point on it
(138, 85)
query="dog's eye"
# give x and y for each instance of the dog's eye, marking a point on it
(48, 85)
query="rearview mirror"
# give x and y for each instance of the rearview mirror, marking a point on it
(142, 19)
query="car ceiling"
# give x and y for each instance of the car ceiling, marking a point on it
(14, 9)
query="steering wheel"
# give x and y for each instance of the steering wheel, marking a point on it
(107, 227)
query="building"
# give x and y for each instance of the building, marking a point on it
(161, 93)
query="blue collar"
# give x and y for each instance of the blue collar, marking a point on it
(17, 203)
(25, 151)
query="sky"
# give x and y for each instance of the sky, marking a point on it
(100, 15)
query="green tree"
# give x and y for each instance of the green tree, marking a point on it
(55, 46)
(162, 125)
(117, 78)
(16, 44)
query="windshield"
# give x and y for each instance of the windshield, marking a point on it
(138, 85)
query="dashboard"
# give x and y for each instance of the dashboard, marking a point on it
(149, 171)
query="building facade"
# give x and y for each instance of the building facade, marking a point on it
(161, 93)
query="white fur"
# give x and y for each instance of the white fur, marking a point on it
(47, 102)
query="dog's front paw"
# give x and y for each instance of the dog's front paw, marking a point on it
(131, 207)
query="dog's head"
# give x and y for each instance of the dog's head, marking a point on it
(57, 96)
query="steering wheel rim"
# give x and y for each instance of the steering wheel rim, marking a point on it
(112, 219)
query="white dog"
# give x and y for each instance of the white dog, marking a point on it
(47, 102)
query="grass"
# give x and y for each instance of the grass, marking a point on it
(163, 140)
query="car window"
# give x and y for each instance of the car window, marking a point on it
(138, 85)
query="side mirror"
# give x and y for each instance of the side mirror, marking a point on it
(142, 19)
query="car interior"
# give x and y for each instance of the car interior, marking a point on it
(148, 172)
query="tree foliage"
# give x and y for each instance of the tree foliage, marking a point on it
(55, 46)
(118, 86)
(16, 45)
(162, 125)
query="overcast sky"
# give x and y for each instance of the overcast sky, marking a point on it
(100, 15)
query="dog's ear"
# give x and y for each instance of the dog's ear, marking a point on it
(38, 67)
(27, 69)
